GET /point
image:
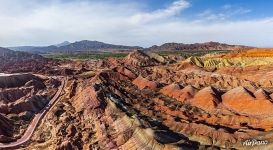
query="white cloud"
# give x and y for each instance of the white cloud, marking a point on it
(50, 22)
(226, 12)
(175, 8)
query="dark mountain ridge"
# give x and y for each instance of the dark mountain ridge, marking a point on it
(7, 54)
(78, 46)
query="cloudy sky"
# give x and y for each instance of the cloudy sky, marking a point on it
(136, 22)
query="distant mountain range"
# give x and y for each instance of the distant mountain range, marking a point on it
(85, 46)
(197, 46)
(79, 46)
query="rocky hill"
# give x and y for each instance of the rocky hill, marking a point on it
(8, 54)
(197, 46)
(20, 61)
(94, 45)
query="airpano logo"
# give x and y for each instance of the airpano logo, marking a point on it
(254, 142)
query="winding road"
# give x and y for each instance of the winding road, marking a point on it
(34, 123)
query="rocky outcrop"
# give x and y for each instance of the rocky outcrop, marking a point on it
(6, 126)
(33, 104)
(11, 95)
(6, 129)
(244, 102)
(139, 58)
(207, 99)
(126, 72)
(174, 91)
(16, 80)
(66, 145)
(15, 61)
(87, 99)
(38, 85)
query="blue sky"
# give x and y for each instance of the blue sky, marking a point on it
(260, 8)
(140, 22)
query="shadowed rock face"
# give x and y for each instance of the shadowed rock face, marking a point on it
(140, 103)
(16, 80)
(6, 129)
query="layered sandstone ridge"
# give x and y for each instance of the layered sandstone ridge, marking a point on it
(238, 58)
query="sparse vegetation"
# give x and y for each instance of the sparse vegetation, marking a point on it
(104, 55)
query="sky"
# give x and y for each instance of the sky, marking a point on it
(136, 22)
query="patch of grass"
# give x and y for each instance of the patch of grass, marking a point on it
(85, 56)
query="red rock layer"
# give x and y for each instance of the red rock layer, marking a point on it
(145, 83)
